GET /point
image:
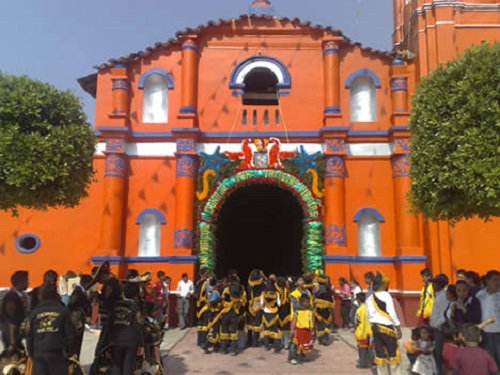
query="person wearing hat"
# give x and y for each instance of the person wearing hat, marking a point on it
(233, 300)
(285, 318)
(385, 326)
(108, 296)
(270, 303)
(202, 313)
(214, 305)
(438, 317)
(256, 286)
(323, 308)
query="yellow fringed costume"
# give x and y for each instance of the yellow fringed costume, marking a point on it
(426, 302)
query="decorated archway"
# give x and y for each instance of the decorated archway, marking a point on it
(312, 242)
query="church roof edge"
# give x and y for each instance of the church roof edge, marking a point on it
(220, 22)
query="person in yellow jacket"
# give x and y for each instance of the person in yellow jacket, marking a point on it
(426, 298)
(302, 330)
(362, 333)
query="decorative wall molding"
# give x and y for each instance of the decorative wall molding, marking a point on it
(369, 211)
(115, 165)
(151, 211)
(374, 260)
(279, 69)
(186, 166)
(335, 166)
(168, 149)
(160, 71)
(183, 237)
(361, 73)
(190, 259)
(400, 165)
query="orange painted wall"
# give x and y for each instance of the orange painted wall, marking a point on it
(151, 185)
(474, 245)
(68, 236)
(71, 236)
(151, 180)
(220, 111)
(436, 35)
(369, 184)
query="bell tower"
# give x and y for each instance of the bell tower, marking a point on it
(438, 31)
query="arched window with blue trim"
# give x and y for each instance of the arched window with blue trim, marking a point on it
(363, 86)
(368, 220)
(260, 80)
(149, 221)
(155, 84)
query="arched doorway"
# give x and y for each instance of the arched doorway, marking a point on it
(259, 226)
(311, 252)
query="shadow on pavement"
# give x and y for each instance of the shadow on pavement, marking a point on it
(174, 364)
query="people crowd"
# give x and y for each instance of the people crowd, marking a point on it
(42, 330)
(277, 313)
(458, 328)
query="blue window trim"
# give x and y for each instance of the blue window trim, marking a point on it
(368, 211)
(21, 249)
(286, 84)
(374, 260)
(151, 211)
(360, 73)
(190, 259)
(160, 71)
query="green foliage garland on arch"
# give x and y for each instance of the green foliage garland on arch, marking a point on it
(312, 244)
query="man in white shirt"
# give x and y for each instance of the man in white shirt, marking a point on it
(439, 283)
(490, 307)
(385, 326)
(185, 290)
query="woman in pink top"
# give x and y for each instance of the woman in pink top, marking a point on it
(345, 297)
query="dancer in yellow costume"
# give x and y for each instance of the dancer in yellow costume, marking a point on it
(385, 326)
(362, 333)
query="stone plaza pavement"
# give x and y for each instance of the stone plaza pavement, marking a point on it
(171, 338)
(186, 358)
(182, 356)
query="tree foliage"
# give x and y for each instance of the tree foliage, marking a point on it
(46, 146)
(455, 125)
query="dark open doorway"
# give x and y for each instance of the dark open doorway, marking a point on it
(259, 226)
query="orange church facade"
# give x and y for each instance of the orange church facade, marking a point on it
(185, 125)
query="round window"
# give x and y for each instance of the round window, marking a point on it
(27, 243)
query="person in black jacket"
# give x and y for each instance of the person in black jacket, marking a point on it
(50, 339)
(126, 331)
(467, 308)
(49, 277)
(13, 311)
(108, 296)
(79, 306)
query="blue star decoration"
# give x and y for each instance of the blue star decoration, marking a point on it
(304, 160)
(213, 161)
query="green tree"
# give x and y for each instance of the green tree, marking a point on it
(455, 125)
(46, 146)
